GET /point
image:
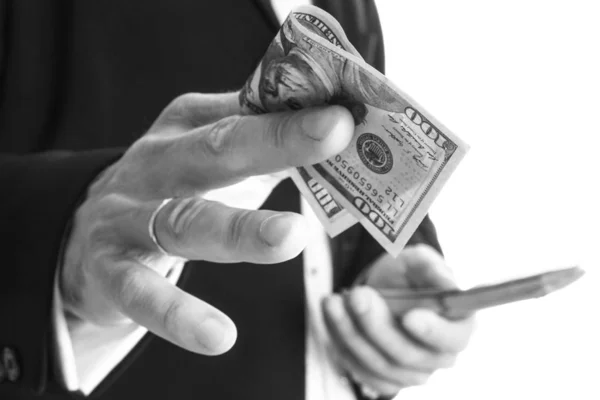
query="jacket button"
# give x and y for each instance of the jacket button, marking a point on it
(12, 371)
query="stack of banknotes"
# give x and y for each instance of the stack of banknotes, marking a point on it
(399, 157)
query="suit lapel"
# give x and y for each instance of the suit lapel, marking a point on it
(268, 13)
(343, 251)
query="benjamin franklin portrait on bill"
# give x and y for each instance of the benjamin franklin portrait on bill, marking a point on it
(298, 72)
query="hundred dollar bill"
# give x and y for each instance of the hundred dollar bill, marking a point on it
(331, 214)
(399, 157)
(274, 87)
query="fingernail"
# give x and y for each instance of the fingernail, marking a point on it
(360, 300)
(213, 335)
(275, 229)
(317, 124)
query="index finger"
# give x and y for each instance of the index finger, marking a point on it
(192, 110)
(238, 147)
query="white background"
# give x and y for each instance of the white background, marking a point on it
(519, 81)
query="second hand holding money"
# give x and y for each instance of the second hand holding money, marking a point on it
(370, 344)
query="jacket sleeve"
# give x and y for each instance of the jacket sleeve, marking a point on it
(39, 195)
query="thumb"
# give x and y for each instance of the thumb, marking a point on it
(426, 269)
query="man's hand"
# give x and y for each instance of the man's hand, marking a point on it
(113, 270)
(385, 352)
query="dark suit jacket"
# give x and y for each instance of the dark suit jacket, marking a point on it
(79, 81)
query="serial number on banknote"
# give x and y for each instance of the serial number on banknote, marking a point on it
(340, 164)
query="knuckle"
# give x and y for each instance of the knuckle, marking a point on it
(219, 136)
(275, 132)
(235, 228)
(180, 218)
(112, 204)
(177, 111)
(104, 219)
(181, 103)
(170, 317)
(128, 287)
(100, 233)
(149, 148)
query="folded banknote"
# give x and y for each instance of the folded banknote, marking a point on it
(399, 157)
